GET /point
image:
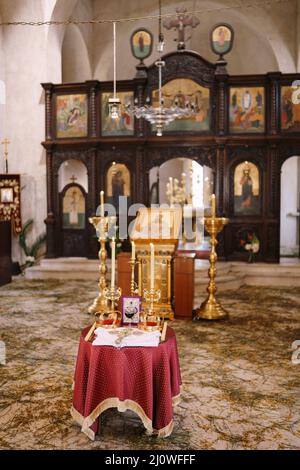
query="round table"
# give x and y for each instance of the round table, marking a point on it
(145, 380)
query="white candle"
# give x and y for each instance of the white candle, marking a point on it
(102, 203)
(152, 266)
(213, 205)
(133, 251)
(113, 262)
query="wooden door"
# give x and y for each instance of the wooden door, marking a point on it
(74, 233)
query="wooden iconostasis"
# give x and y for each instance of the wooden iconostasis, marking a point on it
(244, 130)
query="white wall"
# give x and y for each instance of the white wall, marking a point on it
(69, 169)
(290, 179)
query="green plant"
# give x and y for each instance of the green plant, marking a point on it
(31, 252)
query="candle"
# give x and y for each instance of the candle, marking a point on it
(133, 251)
(213, 205)
(171, 190)
(113, 262)
(152, 266)
(102, 203)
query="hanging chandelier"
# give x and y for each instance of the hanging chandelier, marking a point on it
(114, 103)
(160, 116)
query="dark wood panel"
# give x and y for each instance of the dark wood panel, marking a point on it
(184, 286)
(5, 253)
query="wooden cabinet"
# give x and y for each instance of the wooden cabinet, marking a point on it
(184, 281)
(124, 272)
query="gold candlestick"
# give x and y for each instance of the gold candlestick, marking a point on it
(102, 225)
(133, 284)
(100, 303)
(6, 142)
(113, 294)
(210, 309)
(151, 296)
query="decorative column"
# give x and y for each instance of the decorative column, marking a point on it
(48, 107)
(140, 82)
(222, 104)
(273, 124)
(93, 85)
(50, 219)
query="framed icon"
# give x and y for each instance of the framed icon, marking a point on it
(247, 110)
(6, 195)
(131, 309)
(247, 192)
(74, 208)
(141, 42)
(290, 109)
(181, 91)
(71, 116)
(122, 126)
(221, 39)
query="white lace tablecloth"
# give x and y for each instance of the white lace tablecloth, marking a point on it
(124, 337)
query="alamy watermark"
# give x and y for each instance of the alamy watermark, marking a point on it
(154, 226)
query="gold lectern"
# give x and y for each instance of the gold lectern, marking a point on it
(162, 228)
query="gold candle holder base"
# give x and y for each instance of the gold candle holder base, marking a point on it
(151, 315)
(113, 295)
(210, 310)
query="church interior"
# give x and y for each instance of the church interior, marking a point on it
(149, 225)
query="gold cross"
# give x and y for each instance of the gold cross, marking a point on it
(5, 142)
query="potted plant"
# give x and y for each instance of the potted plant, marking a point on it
(31, 251)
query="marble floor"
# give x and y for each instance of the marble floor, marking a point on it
(240, 388)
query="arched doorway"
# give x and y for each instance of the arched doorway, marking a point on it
(73, 188)
(184, 181)
(290, 208)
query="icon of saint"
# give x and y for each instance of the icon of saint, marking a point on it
(73, 214)
(247, 188)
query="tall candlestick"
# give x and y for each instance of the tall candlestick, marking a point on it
(152, 266)
(213, 205)
(132, 251)
(113, 262)
(102, 203)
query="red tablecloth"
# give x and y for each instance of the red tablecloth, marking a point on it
(145, 380)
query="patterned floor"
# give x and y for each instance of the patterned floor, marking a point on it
(241, 390)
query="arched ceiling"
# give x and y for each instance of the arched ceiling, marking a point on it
(266, 37)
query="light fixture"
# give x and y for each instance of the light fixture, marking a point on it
(160, 116)
(114, 102)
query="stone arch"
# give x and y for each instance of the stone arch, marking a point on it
(61, 9)
(76, 65)
(276, 51)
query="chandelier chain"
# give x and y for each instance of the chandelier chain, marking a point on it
(239, 5)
